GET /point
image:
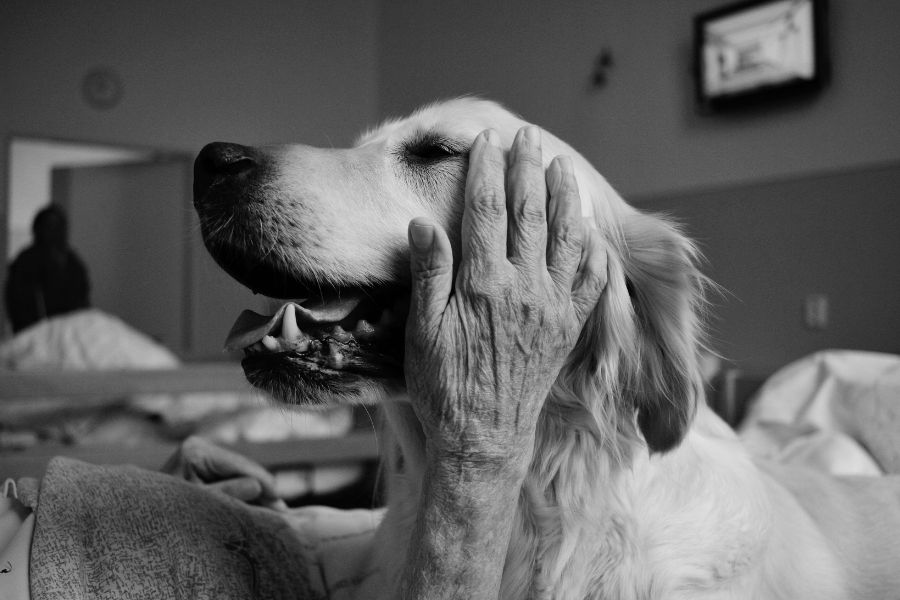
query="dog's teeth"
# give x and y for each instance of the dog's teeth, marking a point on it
(340, 334)
(335, 357)
(363, 329)
(289, 329)
(271, 344)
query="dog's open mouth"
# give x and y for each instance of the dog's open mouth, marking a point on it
(353, 333)
(323, 343)
(327, 343)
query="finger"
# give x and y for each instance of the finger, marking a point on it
(246, 489)
(592, 276)
(527, 193)
(566, 230)
(431, 265)
(484, 219)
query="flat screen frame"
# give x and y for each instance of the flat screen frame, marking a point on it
(756, 89)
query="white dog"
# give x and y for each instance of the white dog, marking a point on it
(636, 490)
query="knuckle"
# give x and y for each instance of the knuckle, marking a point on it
(430, 272)
(529, 161)
(482, 282)
(568, 234)
(530, 209)
(493, 161)
(488, 202)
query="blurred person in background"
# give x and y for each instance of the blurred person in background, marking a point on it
(47, 278)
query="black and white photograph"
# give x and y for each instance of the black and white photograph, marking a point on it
(421, 300)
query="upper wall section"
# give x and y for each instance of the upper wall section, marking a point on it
(193, 72)
(642, 130)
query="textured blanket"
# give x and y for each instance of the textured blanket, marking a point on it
(128, 533)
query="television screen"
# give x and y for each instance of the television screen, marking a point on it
(757, 49)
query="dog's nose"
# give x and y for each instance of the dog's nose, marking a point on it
(221, 160)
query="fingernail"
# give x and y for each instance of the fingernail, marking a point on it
(421, 236)
(491, 137)
(533, 135)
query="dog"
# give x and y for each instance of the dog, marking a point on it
(636, 489)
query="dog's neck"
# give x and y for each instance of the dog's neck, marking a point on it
(566, 506)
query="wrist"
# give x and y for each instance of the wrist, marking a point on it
(483, 443)
(469, 466)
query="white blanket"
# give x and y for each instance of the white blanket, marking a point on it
(91, 340)
(836, 410)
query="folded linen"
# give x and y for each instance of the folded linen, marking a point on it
(123, 532)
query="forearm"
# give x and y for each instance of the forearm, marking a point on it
(458, 547)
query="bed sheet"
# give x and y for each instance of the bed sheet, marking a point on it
(836, 410)
(91, 340)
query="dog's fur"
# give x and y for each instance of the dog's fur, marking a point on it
(636, 490)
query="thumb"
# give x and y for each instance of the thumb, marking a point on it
(431, 264)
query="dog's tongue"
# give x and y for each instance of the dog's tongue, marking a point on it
(251, 327)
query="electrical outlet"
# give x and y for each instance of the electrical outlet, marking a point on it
(815, 311)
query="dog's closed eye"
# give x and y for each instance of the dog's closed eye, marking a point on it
(429, 148)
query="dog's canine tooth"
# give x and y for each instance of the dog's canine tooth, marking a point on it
(271, 344)
(290, 331)
(340, 334)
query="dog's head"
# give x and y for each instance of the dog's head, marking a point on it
(325, 231)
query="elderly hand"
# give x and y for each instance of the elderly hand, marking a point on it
(483, 352)
(482, 356)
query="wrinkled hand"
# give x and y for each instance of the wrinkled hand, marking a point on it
(483, 353)
(200, 461)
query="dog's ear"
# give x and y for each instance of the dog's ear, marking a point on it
(665, 291)
(637, 360)
(641, 346)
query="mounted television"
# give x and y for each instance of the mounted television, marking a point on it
(759, 50)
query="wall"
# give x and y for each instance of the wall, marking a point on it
(283, 70)
(193, 72)
(770, 244)
(642, 131)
